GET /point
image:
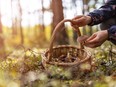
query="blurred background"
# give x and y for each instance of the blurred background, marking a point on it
(30, 22)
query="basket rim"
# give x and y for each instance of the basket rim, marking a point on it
(44, 58)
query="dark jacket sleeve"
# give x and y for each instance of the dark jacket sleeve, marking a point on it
(112, 34)
(105, 12)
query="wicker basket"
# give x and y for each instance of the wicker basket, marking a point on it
(65, 55)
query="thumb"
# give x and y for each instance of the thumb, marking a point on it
(82, 38)
(91, 37)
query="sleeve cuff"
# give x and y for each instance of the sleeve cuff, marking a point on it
(112, 34)
(91, 23)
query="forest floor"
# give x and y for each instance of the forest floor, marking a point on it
(23, 68)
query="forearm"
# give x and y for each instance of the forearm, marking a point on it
(112, 34)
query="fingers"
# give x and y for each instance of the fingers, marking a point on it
(81, 20)
(77, 17)
(82, 39)
(91, 38)
(93, 41)
(78, 21)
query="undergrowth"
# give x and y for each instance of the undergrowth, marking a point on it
(23, 68)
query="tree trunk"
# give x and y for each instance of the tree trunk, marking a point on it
(85, 8)
(75, 35)
(14, 21)
(42, 27)
(19, 25)
(61, 37)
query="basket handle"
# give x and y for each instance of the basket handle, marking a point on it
(56, 30)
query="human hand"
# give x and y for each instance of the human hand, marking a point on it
(97, 39)
(82, 39)
(81, 20)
